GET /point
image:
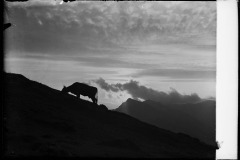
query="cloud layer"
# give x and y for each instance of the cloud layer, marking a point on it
(138, 91)
(179, 74)
(78, 25)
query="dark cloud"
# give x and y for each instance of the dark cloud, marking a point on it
(178, 73)
(93, 61)
(138, 91)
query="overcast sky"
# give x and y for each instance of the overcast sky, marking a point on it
(158, 45)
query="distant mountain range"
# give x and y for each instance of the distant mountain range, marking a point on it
(194, 119)
(41, 121)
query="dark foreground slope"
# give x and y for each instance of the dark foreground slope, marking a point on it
(40, 121)
(194, 119)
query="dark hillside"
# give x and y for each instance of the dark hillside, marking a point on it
(41, 121)
(194, 119)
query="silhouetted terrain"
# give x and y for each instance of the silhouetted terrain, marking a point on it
(41, 121)
(194, 119)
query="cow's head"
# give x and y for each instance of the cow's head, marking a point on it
(64, 90)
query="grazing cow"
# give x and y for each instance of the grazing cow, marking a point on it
(82, 89)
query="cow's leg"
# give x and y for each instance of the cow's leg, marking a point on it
(95, 100)
(92, 99)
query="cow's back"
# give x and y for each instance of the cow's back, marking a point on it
(83, 89)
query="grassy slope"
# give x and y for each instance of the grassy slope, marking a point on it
(41, 121)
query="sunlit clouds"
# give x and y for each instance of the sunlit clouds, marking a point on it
(137, 91)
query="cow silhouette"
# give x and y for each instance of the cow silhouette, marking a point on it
(82, 89)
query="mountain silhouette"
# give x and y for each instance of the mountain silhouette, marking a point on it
(41, 121)
(194, 119)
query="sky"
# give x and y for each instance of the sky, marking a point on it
(126, 49)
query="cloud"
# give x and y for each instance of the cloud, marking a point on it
(178, 73)
(53, 29)
(73, 26)
(138, 91)
(108, 87)
(34, 3)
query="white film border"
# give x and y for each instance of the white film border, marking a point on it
(227, 79)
